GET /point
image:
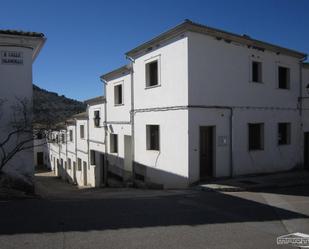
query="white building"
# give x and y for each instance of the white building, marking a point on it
(18, 51)
(198, 103)
(208, 103)
(96, 141)
(118, 122)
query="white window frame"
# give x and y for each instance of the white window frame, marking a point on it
(94, 111)
(148, 137)
(147, 61)
(279, 64)
(122, 94)
(260, 60)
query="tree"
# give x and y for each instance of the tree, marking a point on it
(18, 130)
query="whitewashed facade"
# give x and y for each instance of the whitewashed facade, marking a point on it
(18, 51)
(197, 103)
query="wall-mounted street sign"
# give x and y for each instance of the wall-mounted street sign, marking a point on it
(12, 57)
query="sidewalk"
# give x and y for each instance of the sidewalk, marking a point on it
(285, 179)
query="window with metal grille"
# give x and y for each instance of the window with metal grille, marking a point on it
(97, 118)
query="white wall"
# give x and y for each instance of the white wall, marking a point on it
(96, 143)
(220, 75)
(116, 160)
(119, 113)
(96, 134)
(170, 165)
(16, 82)
(173, 68)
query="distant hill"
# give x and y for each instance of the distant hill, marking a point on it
(51, 108)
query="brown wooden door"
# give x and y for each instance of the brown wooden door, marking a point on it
(206, 151)
(306, 150)
(40, 159)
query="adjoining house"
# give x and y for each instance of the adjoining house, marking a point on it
(96, 141)
(197, 103)
(18, 51)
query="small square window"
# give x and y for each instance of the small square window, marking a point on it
(284, 77)
(96, 118)
(256, 136)
(284, 133)
(153, 137)
(113, 143)
(79, 164)
(256, 72)
(152, 74)
(82, 131)
(118, 94)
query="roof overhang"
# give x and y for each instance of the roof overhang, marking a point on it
(95, 101)
(23, 39)
(121, 71)
(217, 33)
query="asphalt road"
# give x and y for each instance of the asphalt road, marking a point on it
(67, 217)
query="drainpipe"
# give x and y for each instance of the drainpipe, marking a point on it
(88, 147)
(132, 115)
(231, 143)
(300, 101)
(105, 170)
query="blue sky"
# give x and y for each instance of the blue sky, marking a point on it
(89, 38)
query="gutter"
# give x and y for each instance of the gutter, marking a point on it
(300, 101)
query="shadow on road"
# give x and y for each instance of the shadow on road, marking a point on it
(192, 208)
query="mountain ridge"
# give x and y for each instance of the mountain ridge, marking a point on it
(50, 108)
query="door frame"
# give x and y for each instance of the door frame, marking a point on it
(213, 166)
